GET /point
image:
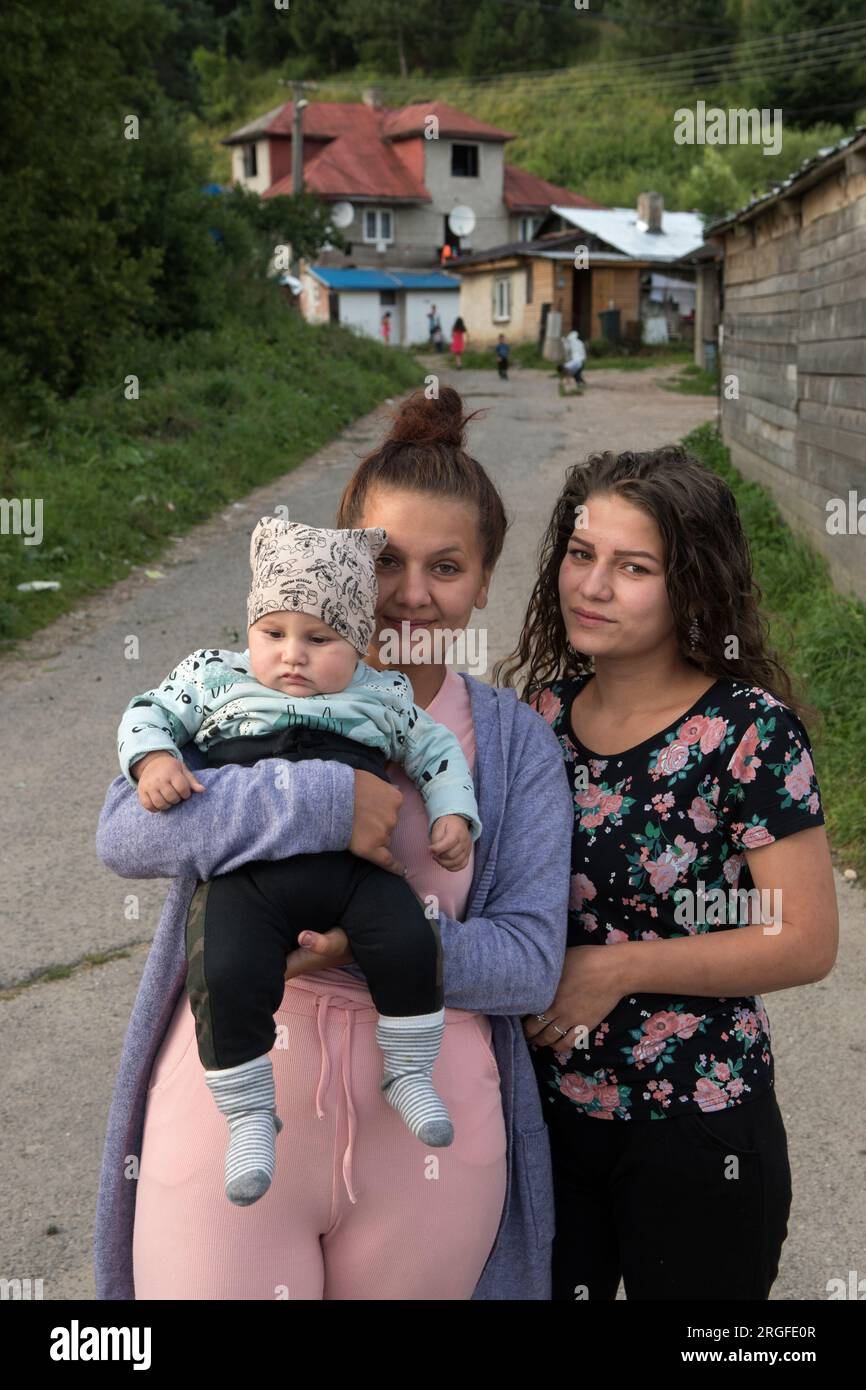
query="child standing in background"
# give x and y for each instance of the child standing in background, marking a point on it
(501, 350)
(458, 340)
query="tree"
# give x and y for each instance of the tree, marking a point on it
(104, 228)
(508, 37)
(812, 79)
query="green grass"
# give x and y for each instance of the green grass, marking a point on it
(694, 381)
(822, 638)
(219, 414)
(638, 362)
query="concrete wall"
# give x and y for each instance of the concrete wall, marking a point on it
(264, 177)
(477, 300)
(550, 282)
(420, 228)
(795, 340)
(361, 310)
(417, 308)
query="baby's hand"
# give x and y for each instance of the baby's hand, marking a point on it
(451, 842)
(163, 781)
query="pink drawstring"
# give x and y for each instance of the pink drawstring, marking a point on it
(350, 1007)
(346, 1060)
(322, 1002)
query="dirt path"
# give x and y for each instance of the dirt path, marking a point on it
(62, 696)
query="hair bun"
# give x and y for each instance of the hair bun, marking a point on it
(430, 420)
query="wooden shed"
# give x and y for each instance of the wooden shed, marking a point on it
(793, 403)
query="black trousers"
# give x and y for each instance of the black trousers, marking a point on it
(691, 1207)
(241, 925)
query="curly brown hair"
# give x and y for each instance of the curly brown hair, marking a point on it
(708, 574)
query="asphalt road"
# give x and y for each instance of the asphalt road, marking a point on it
(61, 1038)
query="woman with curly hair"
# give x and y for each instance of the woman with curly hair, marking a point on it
(701, 879)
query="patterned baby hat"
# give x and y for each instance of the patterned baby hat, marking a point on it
(309, 569)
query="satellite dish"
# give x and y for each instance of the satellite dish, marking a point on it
(342, 215)
(461, 220)
(381, 247)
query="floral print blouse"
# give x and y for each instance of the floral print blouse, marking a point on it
(660, 832)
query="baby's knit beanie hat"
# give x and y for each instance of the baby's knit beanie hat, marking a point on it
(309, 569)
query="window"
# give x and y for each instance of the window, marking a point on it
(387, 297)
(528, 227)
(378, 224)
(251, 167)
(529, 282)
(464, 161)
(501, 300)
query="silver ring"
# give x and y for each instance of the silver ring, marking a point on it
(542, 1018)
(562, 1034)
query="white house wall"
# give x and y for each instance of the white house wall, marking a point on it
(263, 178)
(418, 304)
(419, 227)
(362, 311)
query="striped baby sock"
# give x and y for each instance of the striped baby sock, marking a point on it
(245, 1095)
(410, 1046)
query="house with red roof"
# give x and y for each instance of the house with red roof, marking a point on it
(395, 175)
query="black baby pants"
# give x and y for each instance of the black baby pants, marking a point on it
(241, 925)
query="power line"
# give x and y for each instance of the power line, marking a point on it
(580, 83)
(751, 49)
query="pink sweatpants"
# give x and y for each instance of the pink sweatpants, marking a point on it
(422, 1221)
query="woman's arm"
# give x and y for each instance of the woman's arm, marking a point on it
(246, 813)
(509, 961)
(795, 950)
(798, 949)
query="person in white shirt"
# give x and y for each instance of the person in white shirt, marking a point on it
(575, 357)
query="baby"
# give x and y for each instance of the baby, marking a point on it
(301, 690)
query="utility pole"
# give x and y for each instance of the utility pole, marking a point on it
(298, 104)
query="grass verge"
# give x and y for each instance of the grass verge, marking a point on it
(822, 638)
(694, 381)
(218, 414)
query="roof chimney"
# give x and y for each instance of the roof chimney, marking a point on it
(650, 207)
(372, 96)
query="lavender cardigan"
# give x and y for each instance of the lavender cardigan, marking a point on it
(504, 959)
